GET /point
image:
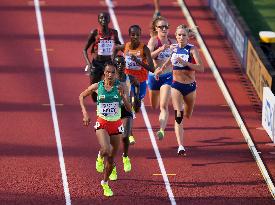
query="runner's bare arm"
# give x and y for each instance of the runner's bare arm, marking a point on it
(164, 65)
(82, 96)
(151, 45)
(123, 91)
(117, 41)
(90, 41)
(198, 66)
(116, 49)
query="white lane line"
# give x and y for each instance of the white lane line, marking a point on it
(145, 116)
(229, 100)
(160, 162)
(52, 101)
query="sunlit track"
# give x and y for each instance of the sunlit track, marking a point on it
(218, 169)
(52, 102)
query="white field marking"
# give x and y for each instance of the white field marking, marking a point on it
(145, 116)
(161, 174)
(224, 105)
(48, 49)
(229, 100)
(41, 3)
(52, 102)
(46, 104)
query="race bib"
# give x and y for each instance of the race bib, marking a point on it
(174, 57)
(108, 109)
(105, 47)
(130, 64)
(163, 55)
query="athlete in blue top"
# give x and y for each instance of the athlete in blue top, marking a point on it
(186, 61)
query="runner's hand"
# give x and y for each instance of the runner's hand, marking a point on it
(181, 61)
(172, 46)
(163, 47)
(120, 90)
(134, 58)
(86, 119)
(157, 72)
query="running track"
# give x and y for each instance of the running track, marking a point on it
(219, 168)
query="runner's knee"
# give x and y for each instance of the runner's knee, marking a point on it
(188, 113)
(106, 150)
(163, 107)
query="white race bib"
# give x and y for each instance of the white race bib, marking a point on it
(108, 109)
(105, 47)
(174, 57)
(163, 55)
(130, 64)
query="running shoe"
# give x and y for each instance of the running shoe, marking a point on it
(132, 140)
(160, 134)
(181, 151)
(86, 68)
(99, 165)
(127, 164)
(113, 175)
(107, 191)
(156, 14)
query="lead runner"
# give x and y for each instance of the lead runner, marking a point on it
(108, 127)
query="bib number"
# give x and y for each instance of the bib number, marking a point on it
(97, 125)
(130, 64)
(163, 55)
(121, 129)
(108, 109)
(105, 47)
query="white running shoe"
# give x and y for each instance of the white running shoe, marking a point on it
(181, 151)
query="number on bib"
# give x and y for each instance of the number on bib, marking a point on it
(97, 125)
(121, 129)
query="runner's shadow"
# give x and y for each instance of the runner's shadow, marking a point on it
(225, 200)
(195, 184)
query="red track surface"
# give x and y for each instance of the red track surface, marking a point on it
(219, 168)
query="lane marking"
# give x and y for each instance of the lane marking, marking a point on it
(31, 3)
(46, 104)
(39, 49)
(145, 116)
(166, 174)
(260, 128)
(52, 101)
(229, 100)
(226, 105)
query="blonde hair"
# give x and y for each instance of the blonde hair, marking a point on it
(191, 32)
(153, 31)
